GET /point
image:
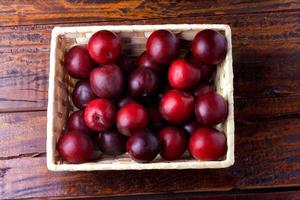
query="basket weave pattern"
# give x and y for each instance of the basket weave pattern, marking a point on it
(133, 40)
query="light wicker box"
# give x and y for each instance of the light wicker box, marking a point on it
(133, 39)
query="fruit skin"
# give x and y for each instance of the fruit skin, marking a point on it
(209, 47)
(142, 146)
(201, 89)
(127, 64)
(145, 61)
(99, 115)
(130, 117)
(111, 142)
(207, 144)
(177, 106)
(142, 82)
(104, 47)
(82, 94)
(211, 109)
(75, 147)
(78, 62)
(77, 123)
(183, 75)
(173, 143)
(162, 46)
(191, 126)
(107, 81)
(207, 71)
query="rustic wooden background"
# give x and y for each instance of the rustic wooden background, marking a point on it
(266, 52)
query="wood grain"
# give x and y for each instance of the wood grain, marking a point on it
(267, 155)
(24, 68)
(266, 57)
(260, 108)
(58, 11)
(22, 134)
(290, 195)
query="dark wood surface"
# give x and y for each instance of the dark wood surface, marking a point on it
(266, 52)
(58, 11)
(265, 195)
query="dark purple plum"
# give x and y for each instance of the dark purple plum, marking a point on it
(173, 143)
(142, 82)
(211, 108)
(209, 47)
(77, 123)
(162, 46)
(111, 142)
(78, 62)
(82, 94)
(107, 81)
(142, 145)
(145, 61)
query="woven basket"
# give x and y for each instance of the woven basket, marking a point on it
(133, 39)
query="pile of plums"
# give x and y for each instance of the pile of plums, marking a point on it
(158, 103)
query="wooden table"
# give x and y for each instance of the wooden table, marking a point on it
(266, 51)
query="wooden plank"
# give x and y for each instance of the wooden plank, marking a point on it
(267, 155)
(260, 108)
(58, 11)
(266, 57)
(22, 134)
(24, 68)
(290, 195)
